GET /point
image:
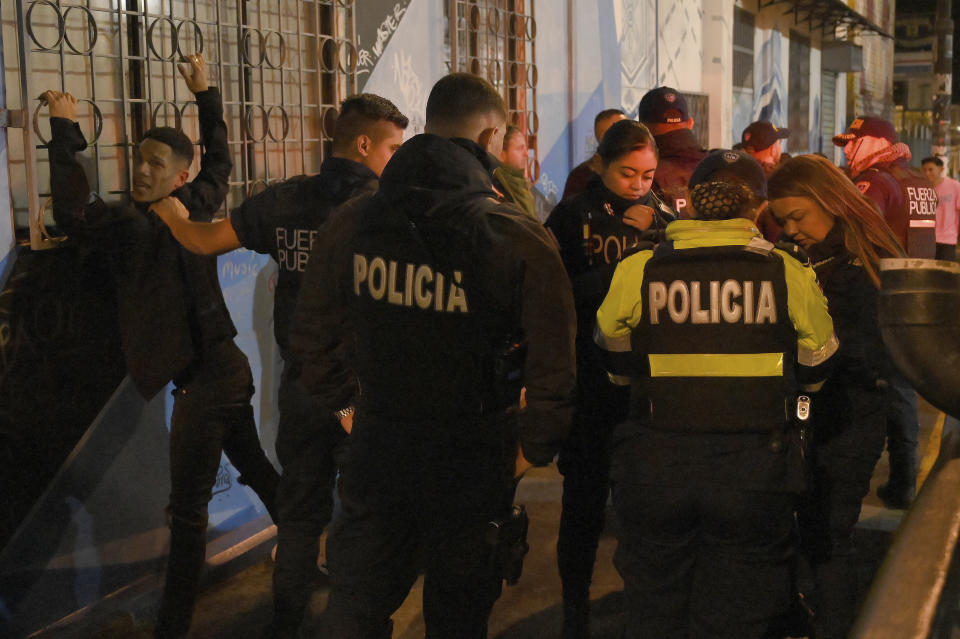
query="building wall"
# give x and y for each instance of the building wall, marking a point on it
(871, 92)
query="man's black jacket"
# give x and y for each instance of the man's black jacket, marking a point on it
(171, 308)
(400, 358)
(283, 222)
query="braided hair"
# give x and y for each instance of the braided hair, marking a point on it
(722, 200)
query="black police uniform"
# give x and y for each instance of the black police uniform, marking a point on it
(848, 426)
(421, 288)
(706, 470)
(174, 326)
(584, 461)
(283, 222)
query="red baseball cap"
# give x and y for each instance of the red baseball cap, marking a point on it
(762, 134)
(867, 125)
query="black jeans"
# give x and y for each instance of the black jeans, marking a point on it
(704, 559)
(418, 497)
(848, 432)
(310, 443)
(211, 414)
(585, 464)
(903, 431)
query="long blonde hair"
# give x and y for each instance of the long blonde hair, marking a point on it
(865, 233)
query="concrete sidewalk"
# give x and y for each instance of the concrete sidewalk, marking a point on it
(239, 606)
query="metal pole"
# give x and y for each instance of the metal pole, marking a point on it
(943, 80)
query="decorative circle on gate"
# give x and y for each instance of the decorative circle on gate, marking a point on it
(494, 20)
(328, 53)
(284, 119)
(245, 46)
(249, 122)
(177, 115)
(517, 74)
(531, 28)
(494, 72)
(173, 37)
(97, 121)
(533, 122)
(475, 20)
(29, 21)
(533, 166)
(532, 76)
(91, 29)
(348, 63)
(281, 44)
(328, 121)
(257, 186)
(197, 34)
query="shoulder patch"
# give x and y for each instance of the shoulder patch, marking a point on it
(863, 186)
(794, 251)
(759, 245)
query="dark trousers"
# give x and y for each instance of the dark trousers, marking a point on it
(417, 497)
(946, 252)
(848, 433)
(585, 464)
(903, 431)
(703, 560)
(211, 415)
(309, 445)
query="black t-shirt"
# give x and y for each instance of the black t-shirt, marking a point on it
(284, 220)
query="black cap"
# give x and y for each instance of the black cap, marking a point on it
(736, 162)
(867, 125)
(663, 105)
(762, 135)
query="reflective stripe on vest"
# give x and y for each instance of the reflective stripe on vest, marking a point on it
(717, 365)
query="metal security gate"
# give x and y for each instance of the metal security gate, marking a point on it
(283, 67)
(495, 40)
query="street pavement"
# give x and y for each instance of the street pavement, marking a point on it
(236, 600)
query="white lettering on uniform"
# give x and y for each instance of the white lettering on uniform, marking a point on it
(732, 312)
(658, 300)
(378, 272)
(421, 285)
(684, 302)
(678, 312)
(293, 247)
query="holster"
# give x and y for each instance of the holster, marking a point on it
(507, 538)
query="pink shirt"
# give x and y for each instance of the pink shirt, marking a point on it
(949, 195)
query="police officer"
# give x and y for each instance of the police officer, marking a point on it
(664, 111)
(283, 221)
(415, 311)
(594, 230)
(879, 166)
(583, 173)
(762, 140)
(716, 328)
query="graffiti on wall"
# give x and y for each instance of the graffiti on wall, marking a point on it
(375, 27)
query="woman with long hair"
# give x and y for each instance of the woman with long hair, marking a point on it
(594, 230)
(845, 237)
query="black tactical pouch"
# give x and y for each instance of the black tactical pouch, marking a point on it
(507, 538)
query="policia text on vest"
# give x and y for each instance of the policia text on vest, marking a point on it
(729, 301)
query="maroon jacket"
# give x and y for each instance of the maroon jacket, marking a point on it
(901, 194)
(680, 153)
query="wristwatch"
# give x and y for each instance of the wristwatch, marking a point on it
(343, 413)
